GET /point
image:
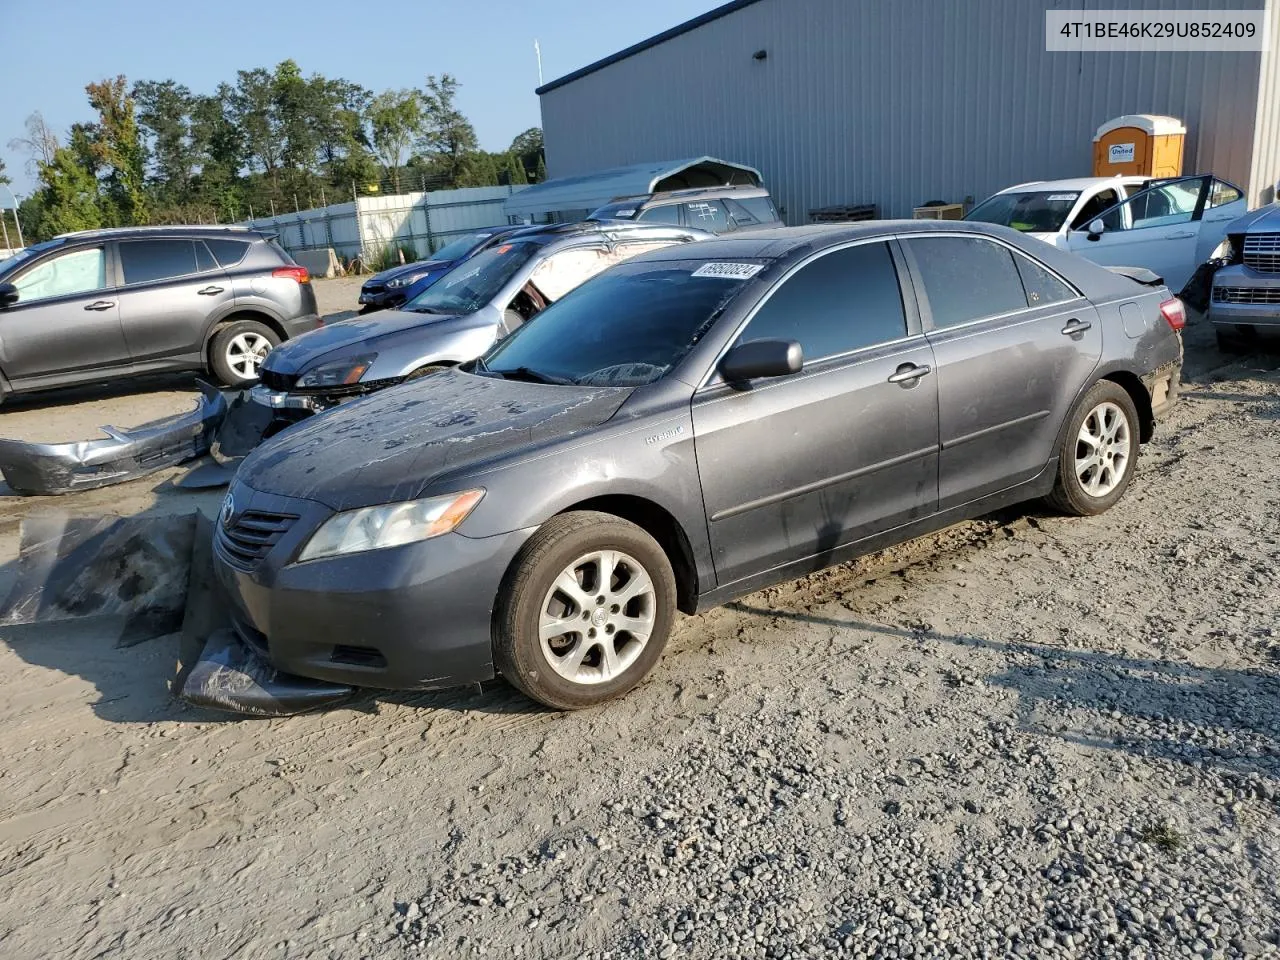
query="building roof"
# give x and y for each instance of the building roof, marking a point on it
(653, 41)
(591, 190)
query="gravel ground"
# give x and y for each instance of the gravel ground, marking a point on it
(1025, 736)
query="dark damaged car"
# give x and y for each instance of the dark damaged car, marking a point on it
(688, 427)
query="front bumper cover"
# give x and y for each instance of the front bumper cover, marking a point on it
(55, 468)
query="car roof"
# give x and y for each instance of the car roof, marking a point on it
(1074, 184)
(238, 233)
(776, 242)
(586, 230)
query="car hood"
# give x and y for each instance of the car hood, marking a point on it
(302, 352)
(391, 445)
(1263, 220)
(416, 267)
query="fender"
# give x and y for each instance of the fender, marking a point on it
(227, 310)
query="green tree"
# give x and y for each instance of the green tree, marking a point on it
(165, 115)
(69, 196)
(528, 147)
(119, 149)
(395, 118)
(514, 170)
(540, 172)
(251, 109)
(446, 132)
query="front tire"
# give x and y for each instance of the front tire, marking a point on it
(1099, 453)
(585, 611)
(238, 350)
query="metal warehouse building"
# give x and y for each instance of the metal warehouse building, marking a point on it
(900, 102)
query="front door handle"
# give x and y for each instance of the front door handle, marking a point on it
(1076, 326)
(1181, 236)
(100, 305)
(909, 373)
(209, 291)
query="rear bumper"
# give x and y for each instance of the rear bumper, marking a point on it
(301, 324)
(1163, 386)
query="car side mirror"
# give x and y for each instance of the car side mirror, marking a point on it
(8, 295)
(1096, 229)
(761, 358)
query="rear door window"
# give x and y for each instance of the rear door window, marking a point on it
(144, 261)
(966, 278)
(707, 215)
(843, 301)
(1222, 193)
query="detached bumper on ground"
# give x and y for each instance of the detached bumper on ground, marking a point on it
(52, 468)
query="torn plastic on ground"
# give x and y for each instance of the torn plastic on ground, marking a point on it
(53, 468)
(127, 574)
(230, 676)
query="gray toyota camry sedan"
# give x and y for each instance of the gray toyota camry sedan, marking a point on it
(685, 428)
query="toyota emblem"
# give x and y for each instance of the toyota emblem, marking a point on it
(228, 510)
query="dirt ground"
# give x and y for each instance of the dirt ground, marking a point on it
(846, 764)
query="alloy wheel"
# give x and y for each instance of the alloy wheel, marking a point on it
(245, 353)
(1102, 449)
(597, 617)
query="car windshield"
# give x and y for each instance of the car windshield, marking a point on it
(474, 282)
(628, 326)
(626, 210)
(460, 247)
(1031, 212)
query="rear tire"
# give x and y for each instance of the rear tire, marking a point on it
(1098, 453)
(584, 612)
(238, 349)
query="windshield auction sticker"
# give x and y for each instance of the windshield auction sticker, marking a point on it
(729, 271)
(1128, 31)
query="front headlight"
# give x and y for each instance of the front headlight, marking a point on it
(399, 282)
(1224, 251)
(340, 373)
(389, 525)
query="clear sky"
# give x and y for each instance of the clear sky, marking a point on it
(52, 48)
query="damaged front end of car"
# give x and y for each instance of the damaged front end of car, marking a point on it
(37, 469)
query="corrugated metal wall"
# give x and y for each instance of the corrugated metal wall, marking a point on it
(896, 102)
(1265, 184)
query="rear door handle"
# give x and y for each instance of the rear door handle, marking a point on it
(910, 373)
(1076, 326)
(209, 291)
(100, 305)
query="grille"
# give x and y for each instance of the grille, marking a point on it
(1262, 252)
(1246, 294)
(250, 536)
(277, 381)
(373, 288)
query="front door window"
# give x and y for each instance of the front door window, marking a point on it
(79, 271)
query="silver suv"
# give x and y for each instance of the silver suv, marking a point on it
(110, 303)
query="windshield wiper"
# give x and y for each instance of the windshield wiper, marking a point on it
(424, 309)
(532, 376)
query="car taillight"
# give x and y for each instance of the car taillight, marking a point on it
(292, 273)
(1174, 313)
